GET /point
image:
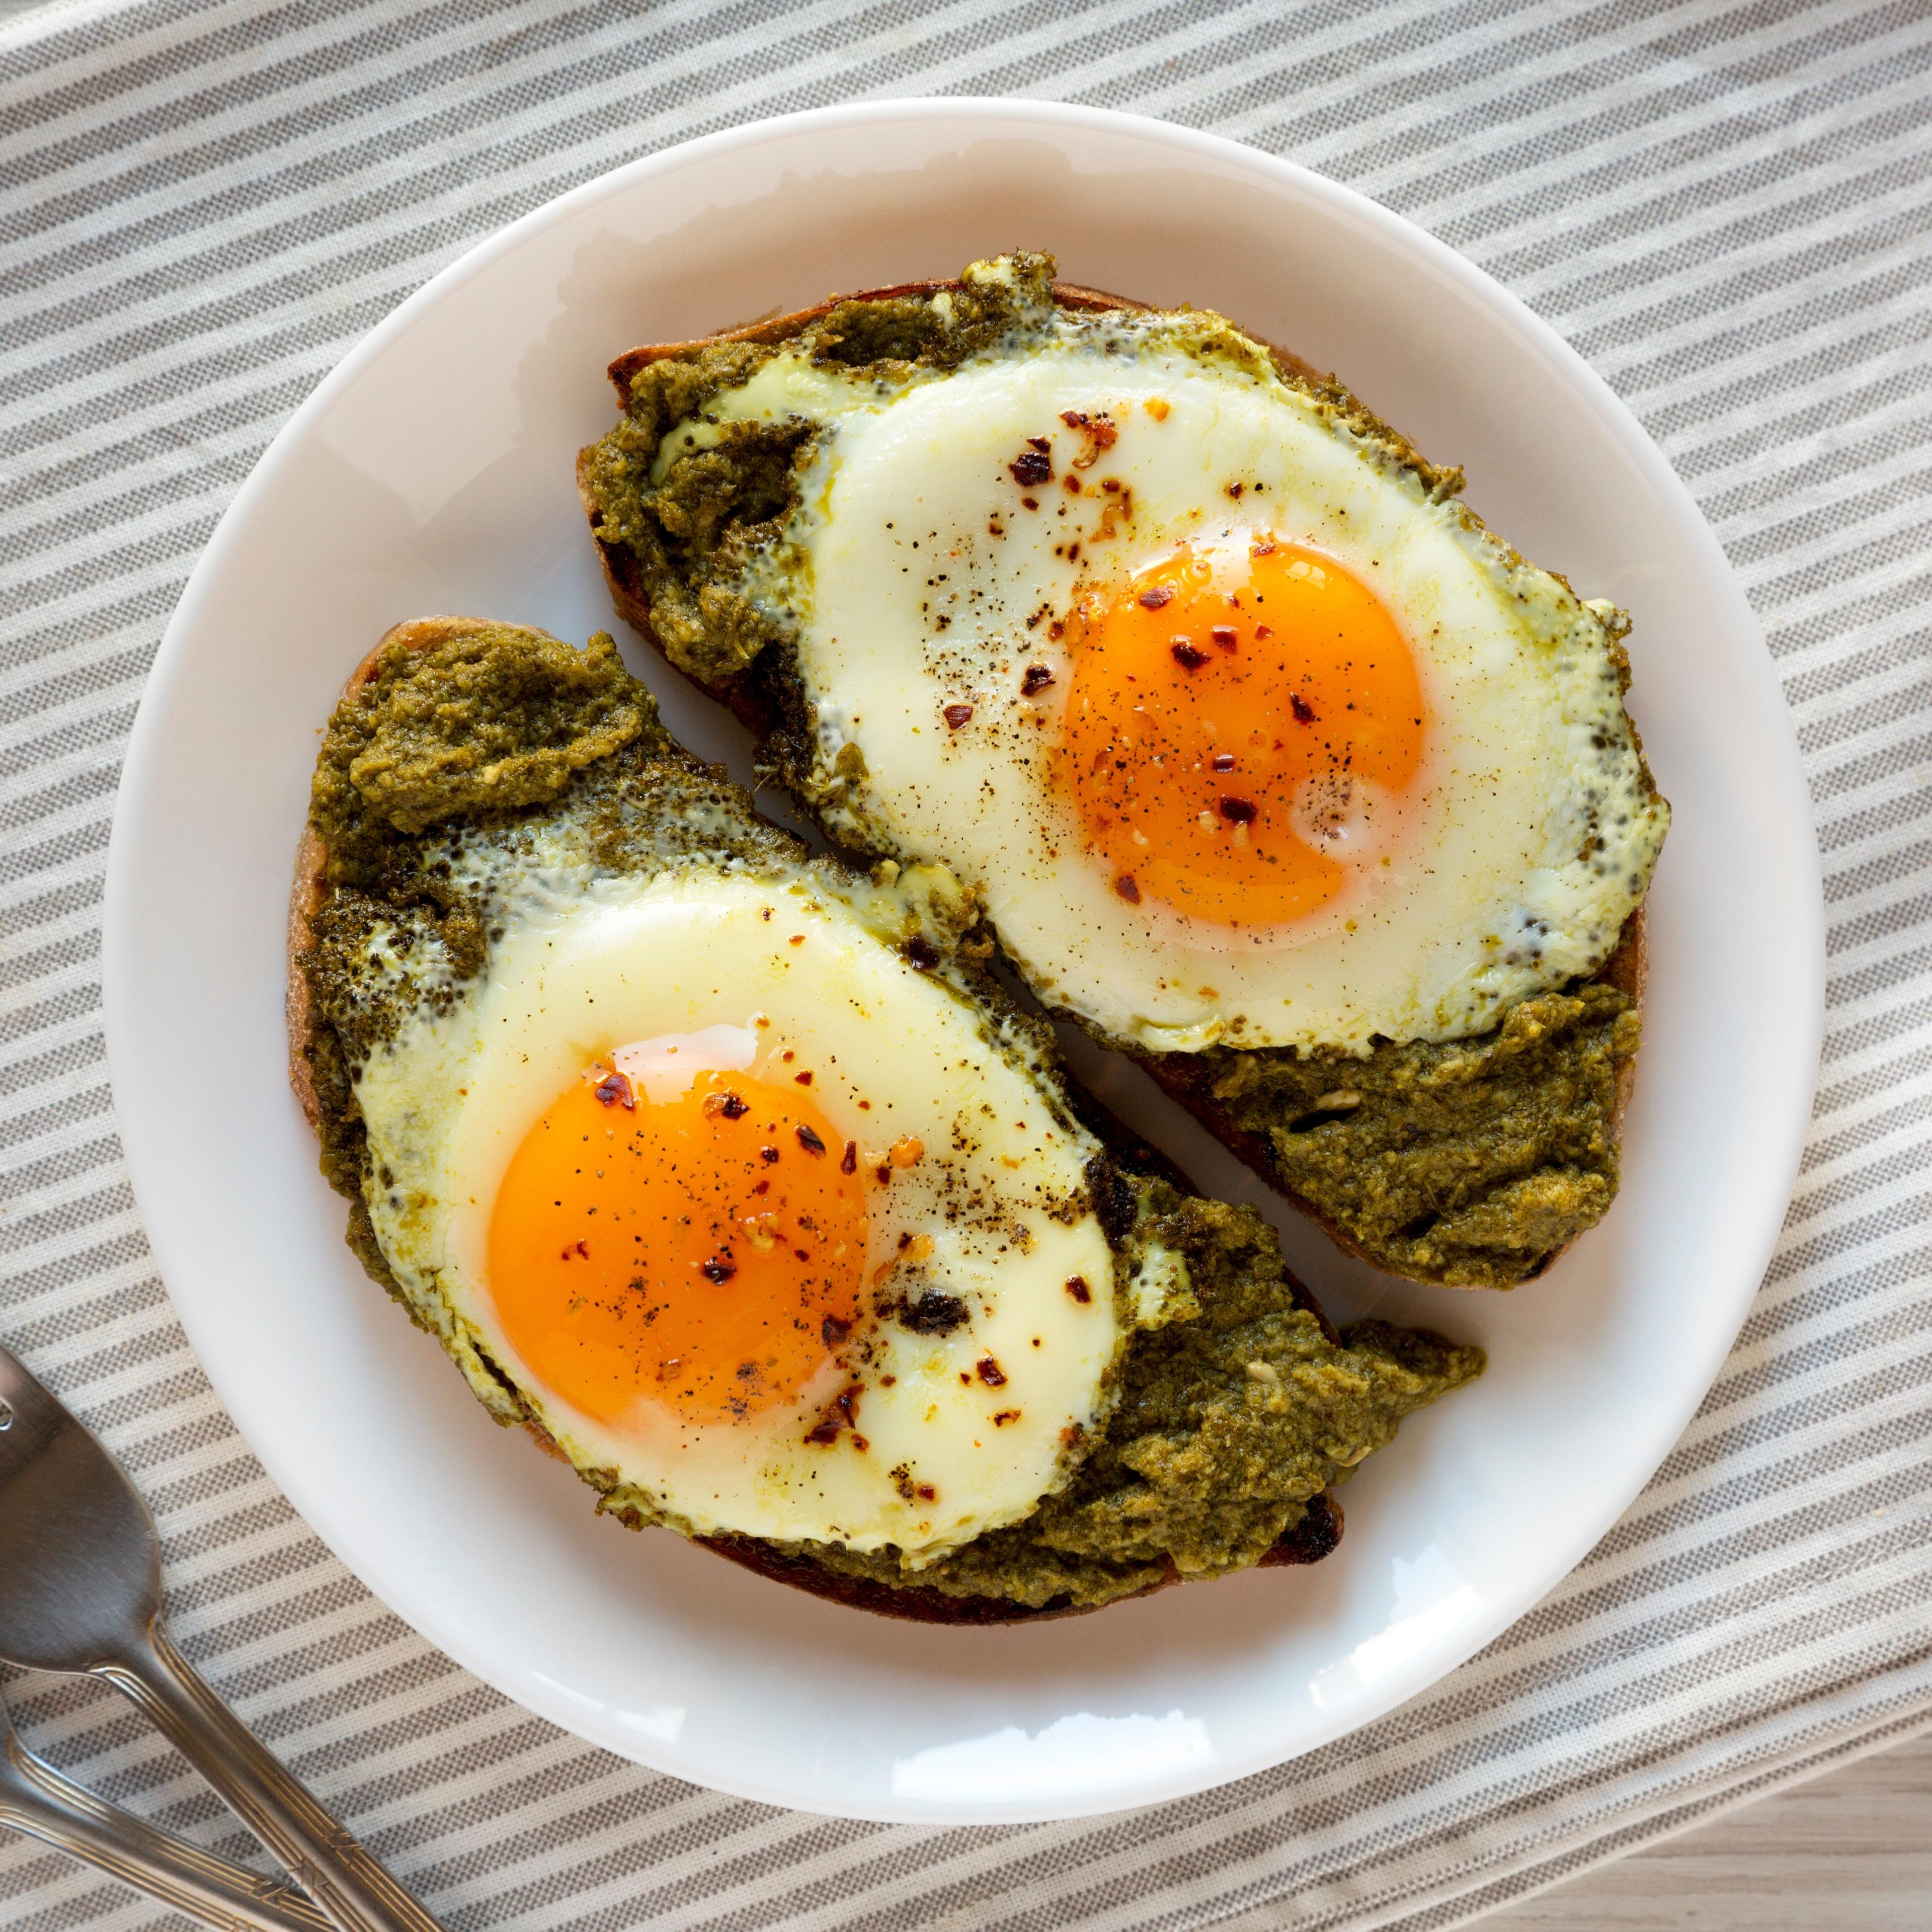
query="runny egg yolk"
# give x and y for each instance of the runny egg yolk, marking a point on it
(703, 1253)
(1242, 717)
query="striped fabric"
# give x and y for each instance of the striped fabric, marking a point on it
(1726, 204)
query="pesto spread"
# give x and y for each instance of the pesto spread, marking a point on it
(1468, 1162)
(1233, 1409)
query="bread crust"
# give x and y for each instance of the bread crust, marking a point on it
(1318, 1533)
(1311, 1540)
(1178, 1075)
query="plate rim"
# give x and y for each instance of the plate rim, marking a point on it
(1051, 122)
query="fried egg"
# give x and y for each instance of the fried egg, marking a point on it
(1245, 730)
(760, 1217)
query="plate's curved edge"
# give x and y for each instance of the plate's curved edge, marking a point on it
(1452, 1647)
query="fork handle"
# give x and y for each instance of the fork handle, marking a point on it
(36, 1800)
(353, 1892)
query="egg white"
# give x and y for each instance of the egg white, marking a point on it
(913, 578)
(703, 962)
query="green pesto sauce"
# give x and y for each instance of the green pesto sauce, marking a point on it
(1468, 1162)
(492, 728)
(1230, 1414)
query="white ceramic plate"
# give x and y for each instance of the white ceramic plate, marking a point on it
(432, 472)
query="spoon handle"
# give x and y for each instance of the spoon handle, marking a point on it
(354, 1892)
(35, 1799)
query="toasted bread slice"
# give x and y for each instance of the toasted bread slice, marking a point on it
(1313, 1537)
(748, 695)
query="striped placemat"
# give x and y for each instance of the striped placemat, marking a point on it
(1727, 207)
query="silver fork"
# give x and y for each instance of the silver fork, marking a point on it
(36, 1799)
(80, 1591)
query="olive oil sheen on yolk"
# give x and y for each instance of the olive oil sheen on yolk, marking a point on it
(704, 1252)
(1242, 718)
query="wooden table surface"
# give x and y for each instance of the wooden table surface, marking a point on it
(1848, 1852)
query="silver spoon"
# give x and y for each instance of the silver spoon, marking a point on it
(80, 1592)
(36, 1799)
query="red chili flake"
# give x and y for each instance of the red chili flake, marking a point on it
(834, 1330)
(1263, 632)
(1223, 634)
(1030, 502)
(732, 1107)
(1128, 888)
(956, 714)
(1001, 1417)
(1072, 485)
(1152, 600)
(884, 1172)
(990, 1373)
(1304, 712)
(1036, 677)
(1224, 761)
(1031, 467)
(1043, 444)
(1240, 810)
(920, 952)
(809, 1141)
(614, 1090)
(860, 1443)
(926, 1493)
(803, 1079)
(768, 1155)
(720, 1268)
(839, 1413)
(1076, 1286)
(849, 1164)
(1099, 430)
(1234, 491)
(1185, 654)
